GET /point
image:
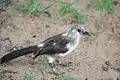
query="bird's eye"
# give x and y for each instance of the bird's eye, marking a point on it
(79, 30)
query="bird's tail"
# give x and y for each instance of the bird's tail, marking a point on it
(18, 53)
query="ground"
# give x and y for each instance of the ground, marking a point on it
(96, 58)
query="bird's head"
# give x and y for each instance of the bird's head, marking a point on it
(78, 31)
(82, 31)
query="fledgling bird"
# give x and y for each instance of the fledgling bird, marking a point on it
(61, 45)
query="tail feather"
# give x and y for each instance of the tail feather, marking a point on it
(18, 53)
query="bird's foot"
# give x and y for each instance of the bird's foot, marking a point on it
(54, 70)
(64, 65)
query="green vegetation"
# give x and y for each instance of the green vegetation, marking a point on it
(70, 8)
(104, 5)
(64, 78)
(28, 77)
(35, 7)
(30, 6)
(67, 78)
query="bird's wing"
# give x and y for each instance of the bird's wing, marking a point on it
(55, 45)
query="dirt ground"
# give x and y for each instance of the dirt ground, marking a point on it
(96, 58)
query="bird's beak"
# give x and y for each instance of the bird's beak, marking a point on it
(86, 33)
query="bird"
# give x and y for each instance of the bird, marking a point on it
(61, 45)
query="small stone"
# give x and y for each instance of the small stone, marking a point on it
(34, 36)
(117, 79)
(28, 41)
(7, 38)
(115, 2)
(105, 68)
(47, 26)
(107, 63)
(118, 70)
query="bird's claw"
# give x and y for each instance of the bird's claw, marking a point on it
(66, 65)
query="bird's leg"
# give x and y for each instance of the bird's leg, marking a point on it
(50, 62)
(36, 54)
(53, 69)
(52, 65)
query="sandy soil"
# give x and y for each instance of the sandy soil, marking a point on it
(96, 58)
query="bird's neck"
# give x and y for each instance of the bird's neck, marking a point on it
(73, 35)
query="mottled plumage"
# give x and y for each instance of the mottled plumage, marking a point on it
(61, 44)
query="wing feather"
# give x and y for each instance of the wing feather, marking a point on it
(55, 45)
